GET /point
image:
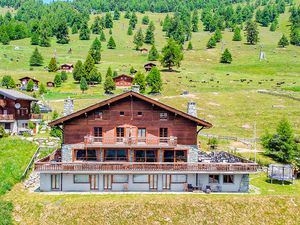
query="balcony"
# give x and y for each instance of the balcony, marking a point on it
(7, 117)
(36, 116)
(146, 167)
(131, 141)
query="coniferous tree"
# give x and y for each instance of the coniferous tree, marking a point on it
(133, 20)
(176, 30)
(190, 46)
(110, 31)
(127, 15)
(84, 33)
(62, 34)
(129, 31)
(63, 76)
(83, 84)
(102, 36)
(109, 84)
(30, 85)
(88, 65)
(111, 43)
(95, 76)
(273, 26)
(153, 54)
(74, 29)
(154, 80)
(57, 80)
(145, 20)
(42, 89)
(116, 14)
(295, 35)
(78, 71)
(97, 25)
(251, 33)
(52, 67)
(211, 42)
(166, 23)
(283, 42)
(44, 39)
(226, 57)
(34, 38)
(109, 72)
(4, 38)
(149, 38)
(108, 20)
(95, 50)
(138, 39)
(171, 54)
(218, 35)
(195, 21)
(11, 83)
(237, 34)
(132, 70)
(139, 79)
(115, 73)
(7, 81)
(36, 58)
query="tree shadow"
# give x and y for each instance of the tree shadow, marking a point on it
(170, 71)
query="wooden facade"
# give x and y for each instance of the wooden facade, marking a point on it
(24, 81)
(66, 67)
(8, 109)
(123, 80)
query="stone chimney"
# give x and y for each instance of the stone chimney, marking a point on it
(135, 88)
(191, 109)
(68, 106)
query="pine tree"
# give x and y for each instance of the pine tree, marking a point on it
(78, 71)
(30, 85)
(108, 20)
(95, 50)
(138, 39)
(4, 38)
(273, 26)
(139, 79)
(88, 65)
(57, 80)
(171, 54)
(74, 29)
(115, 73)
(226, 57)
(166, 23)
(145, 20)
(211, 42)
(11, 83)
(129, 31)
(154, 80)
(52, 67)
(44, 39)
(195, 21)
(102, 36)
(36, 110)
(42, 89)
(63, 76)
(237, 34)
(36, 58)
(153, 54)
(95, 76)
(109, 84)
(251, 33)
(111, 43)
(133, 20)
(116, 14)
(6, 81)
(127, 15)
(218, 35)
(83, 84)
(109, 72)
(84, 33)
(97, 25)
(149, 38)
(295, 35)
(62, 33)
(283, 42)
(176, 30)
(190, 46)
(34, 38)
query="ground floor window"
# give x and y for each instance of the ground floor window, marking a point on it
(228, 179)
(213, 179)
(179, 178)
(115, 155)
(55, 181)
(145, 156)
(81, 178)
(140, 178)
(86, 154)
(120, 178)
(175, 156)
(7, 126)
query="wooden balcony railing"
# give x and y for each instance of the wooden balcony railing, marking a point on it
(36, 116)
(107, 166)
(171, 141)
(7, 117)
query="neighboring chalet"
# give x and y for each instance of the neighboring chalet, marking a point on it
(66, 67)
(144, 50)
(15, 111)
(50, 84)
(123, 80)
(24, 81)
(149, 66)
(131, 142)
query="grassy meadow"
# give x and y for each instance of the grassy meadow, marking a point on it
(216, 88)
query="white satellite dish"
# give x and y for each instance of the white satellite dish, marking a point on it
(17, 105)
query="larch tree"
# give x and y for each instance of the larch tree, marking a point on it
(30, 85)
(111, 44)
(57, 80)
(102, 36)
(283, 42)
(62, 33)
(95, 50)
(88, 65)
(153, 54)
(129, 31)
(139, 79)
(237, 34)
(138, 39)
(83, 85)
(154, 80)
(226, 57)
(84, 33)
(78, 71)
(171, 54)
(108, 20)
(195, 21)
(149, 37)
(52, 67)
(251, 32)
(36, 58)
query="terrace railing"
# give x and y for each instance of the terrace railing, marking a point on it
(125, 166)
(7, 117)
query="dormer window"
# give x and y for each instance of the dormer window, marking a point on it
(98, 115)
(163, 116)
(122, 113)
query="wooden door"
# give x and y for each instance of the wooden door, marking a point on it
(166, 181)
(94, 182)
(107, 181)
(153, 182)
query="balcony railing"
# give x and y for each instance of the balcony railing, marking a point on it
(171, 141)
(140, 167)
(36, 116)
(7, 117)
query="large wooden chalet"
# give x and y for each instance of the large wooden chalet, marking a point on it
(131, 142)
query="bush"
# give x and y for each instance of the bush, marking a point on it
(56, 132)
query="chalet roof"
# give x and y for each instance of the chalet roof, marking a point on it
(123, 75)
(67, 64)
(13, 94)
(29, 78)
(149, 64)
(124, 95)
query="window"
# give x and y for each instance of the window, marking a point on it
(179, 178)
(122, 113)
(163, 116)
(115, 155)
(98, 115)
(86, 155)
(145, 156)
(98, 131)
(169, 156)
(213, 179)
(163, 134)
(81, 178)
(140, 113)
(120, 178)
(175, 156)
(120, 132)
(55, 181)
(139, 178)
(180, 156)
(228, 179)
(141, 134)
(7, 126)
